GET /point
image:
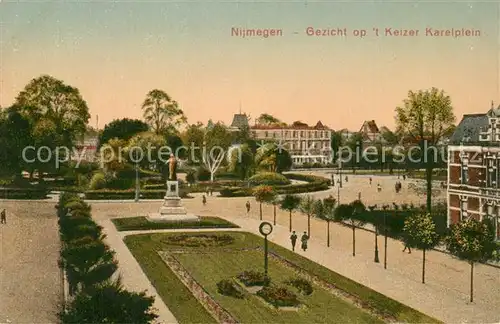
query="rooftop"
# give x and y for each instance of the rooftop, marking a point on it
(297, 126)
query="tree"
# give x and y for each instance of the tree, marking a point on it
(49, 98)
(123, 129)
(419, 232)
(325, 209)
(162, 113)
(355, 144)
(216, 145)
(473, 241)
(307, 207)
(110, 303)
(425, 118)
(336, 143)
(242, 161)
(353, 214)
(264, 194)
(112, 156)
(290, 203)
(145, 150)
(269, 120)
(88, 262)
(273, 158)
(193, 138)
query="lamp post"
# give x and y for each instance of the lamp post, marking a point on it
(376, 260)
(385, 241)
(137, 186)
(265, 229)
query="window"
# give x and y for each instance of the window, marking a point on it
(491, 173)
(465, 174)
(463, 208)
(274, 135)
(266, 134)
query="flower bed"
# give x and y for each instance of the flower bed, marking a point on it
(279, 296)
(253, 278)
(269, 179)
(107, 194)
(302, 285)
(198, 240)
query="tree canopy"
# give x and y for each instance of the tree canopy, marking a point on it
(124, 129)
(162, 113)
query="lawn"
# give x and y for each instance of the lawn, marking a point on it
(209, 268)
(141, 224)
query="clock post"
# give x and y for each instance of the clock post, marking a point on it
(265, 229)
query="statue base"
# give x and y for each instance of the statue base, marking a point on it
(172, 209)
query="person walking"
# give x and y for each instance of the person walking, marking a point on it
(304, 240)
(379, 188)
(3, 217)
(346, 179)
(293, 239)
(370, 181)
(404, 177)
(248, 206)
(407, 248)
(204, 200)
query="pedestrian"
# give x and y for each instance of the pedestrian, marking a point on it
(379, 188)
(248, 206)
(404, 177)
(293, 239)
(407, 247)
(346, 179)
(3, 217)
(204, 200)
(304, 239)
(370, 181)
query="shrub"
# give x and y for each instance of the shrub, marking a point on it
(268, 178)
(203, 174)
(253, 278)
(198, 240)
(303, 285)
(191, 176)
(98, 181)
(278, 296)
(107, 194)
(23, 193)
(228, 288)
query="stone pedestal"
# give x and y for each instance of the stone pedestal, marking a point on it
(172, 209)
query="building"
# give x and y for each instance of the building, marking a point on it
(473, 169)
(85, 149)
(306, 144)
(370, 132)
(240, 121)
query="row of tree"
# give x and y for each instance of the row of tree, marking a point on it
(96, 293)
(470, 240)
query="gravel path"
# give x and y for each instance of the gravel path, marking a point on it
(30, 280)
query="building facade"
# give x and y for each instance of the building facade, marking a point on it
(86, 148)
(306, 144)
(370, 132)
(473, 169)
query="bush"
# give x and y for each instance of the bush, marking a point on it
(228, 288)
(198, 240)
(279, 296)
(203, 174)
(303, 285)
(268, 178)
(23, 193)
(191, 176)
(98, 181)
(253, 278)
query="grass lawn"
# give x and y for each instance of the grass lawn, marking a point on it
(141, 223)
(209, 268)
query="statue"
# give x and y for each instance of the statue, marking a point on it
(172, 166)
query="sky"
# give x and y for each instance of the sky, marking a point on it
(116, 52)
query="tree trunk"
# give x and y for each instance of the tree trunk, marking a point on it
(328, 233)
(212, 176)
(428, 177)
(353, 240)
(309, 225)
(290, 221)
(423, 266)
(274, 215)
(471, 281)
(260, 210)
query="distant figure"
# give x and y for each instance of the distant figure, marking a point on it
(346, 179)
(370, 181)
(293, 239)
(404, 176)
(379, 188)
(248, 206)
(211, 190)
(204, 199)
(304, 240)
(3, 217)
(407, 247)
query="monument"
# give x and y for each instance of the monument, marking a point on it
(172, 209)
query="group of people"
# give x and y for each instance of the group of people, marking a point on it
(303, 240)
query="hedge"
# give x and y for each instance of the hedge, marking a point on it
(24, 193)
(314, 183)
(128, 194)
(268, 179)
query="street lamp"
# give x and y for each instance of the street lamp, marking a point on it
(376, 245)
(385, 241)
(137, 186)
(265, 229)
